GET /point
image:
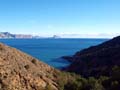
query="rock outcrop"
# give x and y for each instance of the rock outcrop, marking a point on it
(19, 71)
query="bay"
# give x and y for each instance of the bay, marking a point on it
(50, 50)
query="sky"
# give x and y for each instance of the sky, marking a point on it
(68, 18)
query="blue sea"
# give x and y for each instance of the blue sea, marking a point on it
(50, 50)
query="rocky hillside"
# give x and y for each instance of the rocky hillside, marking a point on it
(97, 60)
(19, 71)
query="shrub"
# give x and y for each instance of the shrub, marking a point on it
(48, 87)
(27, 67)
(33, 61)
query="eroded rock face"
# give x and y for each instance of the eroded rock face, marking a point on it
(19, 71)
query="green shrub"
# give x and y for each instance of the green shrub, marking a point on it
(48, 87)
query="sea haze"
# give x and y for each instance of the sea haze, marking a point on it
(50, 50)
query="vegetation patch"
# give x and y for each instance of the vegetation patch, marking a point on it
(27, 67)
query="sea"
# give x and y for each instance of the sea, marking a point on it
(51, 50)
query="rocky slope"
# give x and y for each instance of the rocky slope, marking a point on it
(19, 71)
(97, 60)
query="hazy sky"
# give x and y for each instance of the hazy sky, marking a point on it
(86, 17)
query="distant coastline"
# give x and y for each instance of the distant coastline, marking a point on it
(8, 35)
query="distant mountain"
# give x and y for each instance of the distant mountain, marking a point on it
(56, 36)
(23, 36)
(9, 35)
(6, 35)
(97, 60)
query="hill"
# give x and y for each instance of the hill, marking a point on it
(19, 71)
(96, 60)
